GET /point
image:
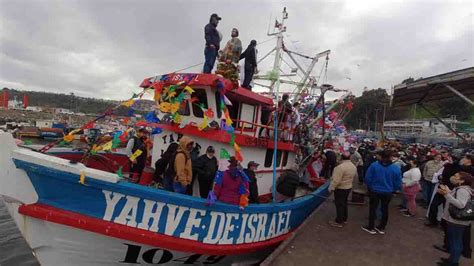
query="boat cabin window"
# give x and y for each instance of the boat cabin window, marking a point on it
(247, 114)
(201, 95)
(183, 108)
(269, 158)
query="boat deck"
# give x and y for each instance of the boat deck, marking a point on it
(406, 242)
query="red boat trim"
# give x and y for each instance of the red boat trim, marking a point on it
(60, 216)
(220, 136)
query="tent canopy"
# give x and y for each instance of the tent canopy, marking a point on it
(436, 88)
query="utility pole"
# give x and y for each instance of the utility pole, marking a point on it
(376, 120)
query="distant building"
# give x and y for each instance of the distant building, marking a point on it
(34, 109)
(421, 126)
(64, 111)
(44, 123)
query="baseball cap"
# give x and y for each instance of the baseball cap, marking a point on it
(216, 16)
(210, 149)
(253, 163)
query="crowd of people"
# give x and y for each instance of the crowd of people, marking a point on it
(439, 176)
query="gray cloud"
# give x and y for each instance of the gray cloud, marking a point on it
(106, 48)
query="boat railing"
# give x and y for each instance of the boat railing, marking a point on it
(245, 127)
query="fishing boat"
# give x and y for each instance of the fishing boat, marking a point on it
(71, 213)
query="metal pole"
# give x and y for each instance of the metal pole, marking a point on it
(276, 87)
(459, 94)
(442, 122)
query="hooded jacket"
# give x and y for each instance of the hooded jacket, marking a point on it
(182, 163)
(383, 178)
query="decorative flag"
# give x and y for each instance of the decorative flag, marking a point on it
(232, 140)
(209, 113)
(211, 198)
(115, 141)
(203, 124)
(107, 146)
(224, 154)
(156, 131)
(238, 156)
(151, 117)
(189, 89)
(135, 155)
(82, 178)
(68, 138)
(128, 103)
(119, 172)
(176, 118)
(243, 201)
(236, 146)
(89, 125)
(227, 101)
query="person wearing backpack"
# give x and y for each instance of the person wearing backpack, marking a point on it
(162, 164)
(286, 185)
(205, 167)
(183, 166)
(456, 200)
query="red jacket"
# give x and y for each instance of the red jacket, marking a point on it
(229, 190)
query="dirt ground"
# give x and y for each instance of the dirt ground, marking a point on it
(406, 241)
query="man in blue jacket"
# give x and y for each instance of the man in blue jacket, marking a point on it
(382, 179)
(213, 41)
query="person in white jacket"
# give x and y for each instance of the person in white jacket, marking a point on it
(411, 186)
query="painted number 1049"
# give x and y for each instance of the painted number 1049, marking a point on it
(162, 256)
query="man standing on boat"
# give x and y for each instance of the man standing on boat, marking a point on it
(250, 67)
(137, 145)
(341, 183)
(205, 168)
(250, 172)
(212, 43)
(183, 168)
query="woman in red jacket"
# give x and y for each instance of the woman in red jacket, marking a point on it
(233, 186)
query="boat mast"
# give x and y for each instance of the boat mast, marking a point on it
(275, 87)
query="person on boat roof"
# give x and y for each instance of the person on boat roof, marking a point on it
(250, 66)
(205, 168)
(250, 172)
(213, 41)
(233, 48)
(233, 186)
(137, 144)
(229, 58)
(183, 166)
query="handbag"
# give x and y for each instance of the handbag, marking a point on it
(464, 214)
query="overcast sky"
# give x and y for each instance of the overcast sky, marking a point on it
(105, 48)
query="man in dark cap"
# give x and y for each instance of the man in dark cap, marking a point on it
(250, 55)
(137, 144)
(205, 168)
(212, 43)
(250, 172)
